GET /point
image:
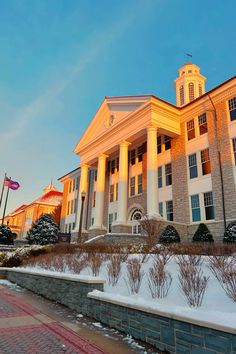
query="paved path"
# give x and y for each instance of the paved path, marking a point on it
(30, 324)
(24, 329)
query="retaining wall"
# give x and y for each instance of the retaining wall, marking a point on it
(169, 333)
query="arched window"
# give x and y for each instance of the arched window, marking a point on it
(200, 89)
(181, 95)
(191, 91)
(135, 217)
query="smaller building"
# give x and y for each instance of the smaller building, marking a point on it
(21, 219)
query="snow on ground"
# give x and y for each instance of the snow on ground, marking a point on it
(217, 307)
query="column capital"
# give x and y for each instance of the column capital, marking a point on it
(151, 127)
(84, 166)
(125, 143)
(102, 156)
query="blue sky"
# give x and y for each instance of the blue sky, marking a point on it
(59, 58)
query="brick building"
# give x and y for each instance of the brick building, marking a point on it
(141, 154)
(22, 218)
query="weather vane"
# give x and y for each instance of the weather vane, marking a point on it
(188, 55)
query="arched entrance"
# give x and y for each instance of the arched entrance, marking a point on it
(135, 216)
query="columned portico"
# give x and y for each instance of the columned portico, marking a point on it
(121, 223)
(98, 226)
(152, 187)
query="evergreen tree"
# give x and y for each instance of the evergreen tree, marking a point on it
(169, 235)
(44, 231)
(230, 233)
(202, 234)
(6, 236)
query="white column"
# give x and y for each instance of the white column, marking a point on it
(123, 184)
(83, 187)
(100, 193)
(152, 186)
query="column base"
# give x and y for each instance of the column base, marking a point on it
(121, 228)
(75, 236)
(96, 231)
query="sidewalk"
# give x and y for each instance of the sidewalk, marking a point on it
(30, 324)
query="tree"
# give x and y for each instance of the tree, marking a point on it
(202, 234)
(169, 235)
(6, 236)
(230, 233)
(151, 227)
(44, 231)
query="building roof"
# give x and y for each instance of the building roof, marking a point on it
(67, 174)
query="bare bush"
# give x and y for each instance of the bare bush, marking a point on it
(95, 261)
(224, 269)
(192, 281)
(159, 280)
(114, 269)
(77, 263)
(192, 259)
(151, 227)
(134, 275)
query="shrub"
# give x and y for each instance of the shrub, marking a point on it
(230, 233)
(6, 236)
(114, 269)
(192, 281)
(169, 235)
(134, 275)
(159, 279)
(202, 234)
(44, 231)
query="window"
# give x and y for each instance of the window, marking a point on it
(192, 162)
(159, 144)
(68, 208)
(195, 205)
(95, 175)
(140, 184)
(70, 185)
(181, 95)
(117, 191)
(113, 165)
(71, 206)
(232, 108)
(135, 217)
(77, 183)
(190, 129)
(132, 157)
(168, 173)
(110, 221)
(117, 164)
(161, 208)
(69, 228)
(167, 140)
(115, 215)
(140, 153)
(191, 91)
(205, 160)
(234, 149)
(73, 225)
(159, 171)
(209, 206)
(73, 184)
(92, 221)
(169, 210)
(200, 89)
(66, 228)
(111, 193)
(202, 123)
(75, 205)
(94, 199)
(132, 186)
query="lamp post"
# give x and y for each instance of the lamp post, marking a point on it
(83, 195)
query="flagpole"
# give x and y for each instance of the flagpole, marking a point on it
(5, 206)
(2, 189)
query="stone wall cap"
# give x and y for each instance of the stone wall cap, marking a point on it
(105, 297)
(71, 277)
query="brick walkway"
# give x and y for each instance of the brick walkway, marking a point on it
(25, 330)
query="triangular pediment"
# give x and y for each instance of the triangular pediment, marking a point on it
(111, 113)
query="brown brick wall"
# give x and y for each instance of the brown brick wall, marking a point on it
(180, 178)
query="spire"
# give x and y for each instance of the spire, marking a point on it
(49, 188)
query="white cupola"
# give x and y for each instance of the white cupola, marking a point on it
(189, 85)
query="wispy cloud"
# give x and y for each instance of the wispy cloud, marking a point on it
(98, 43)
